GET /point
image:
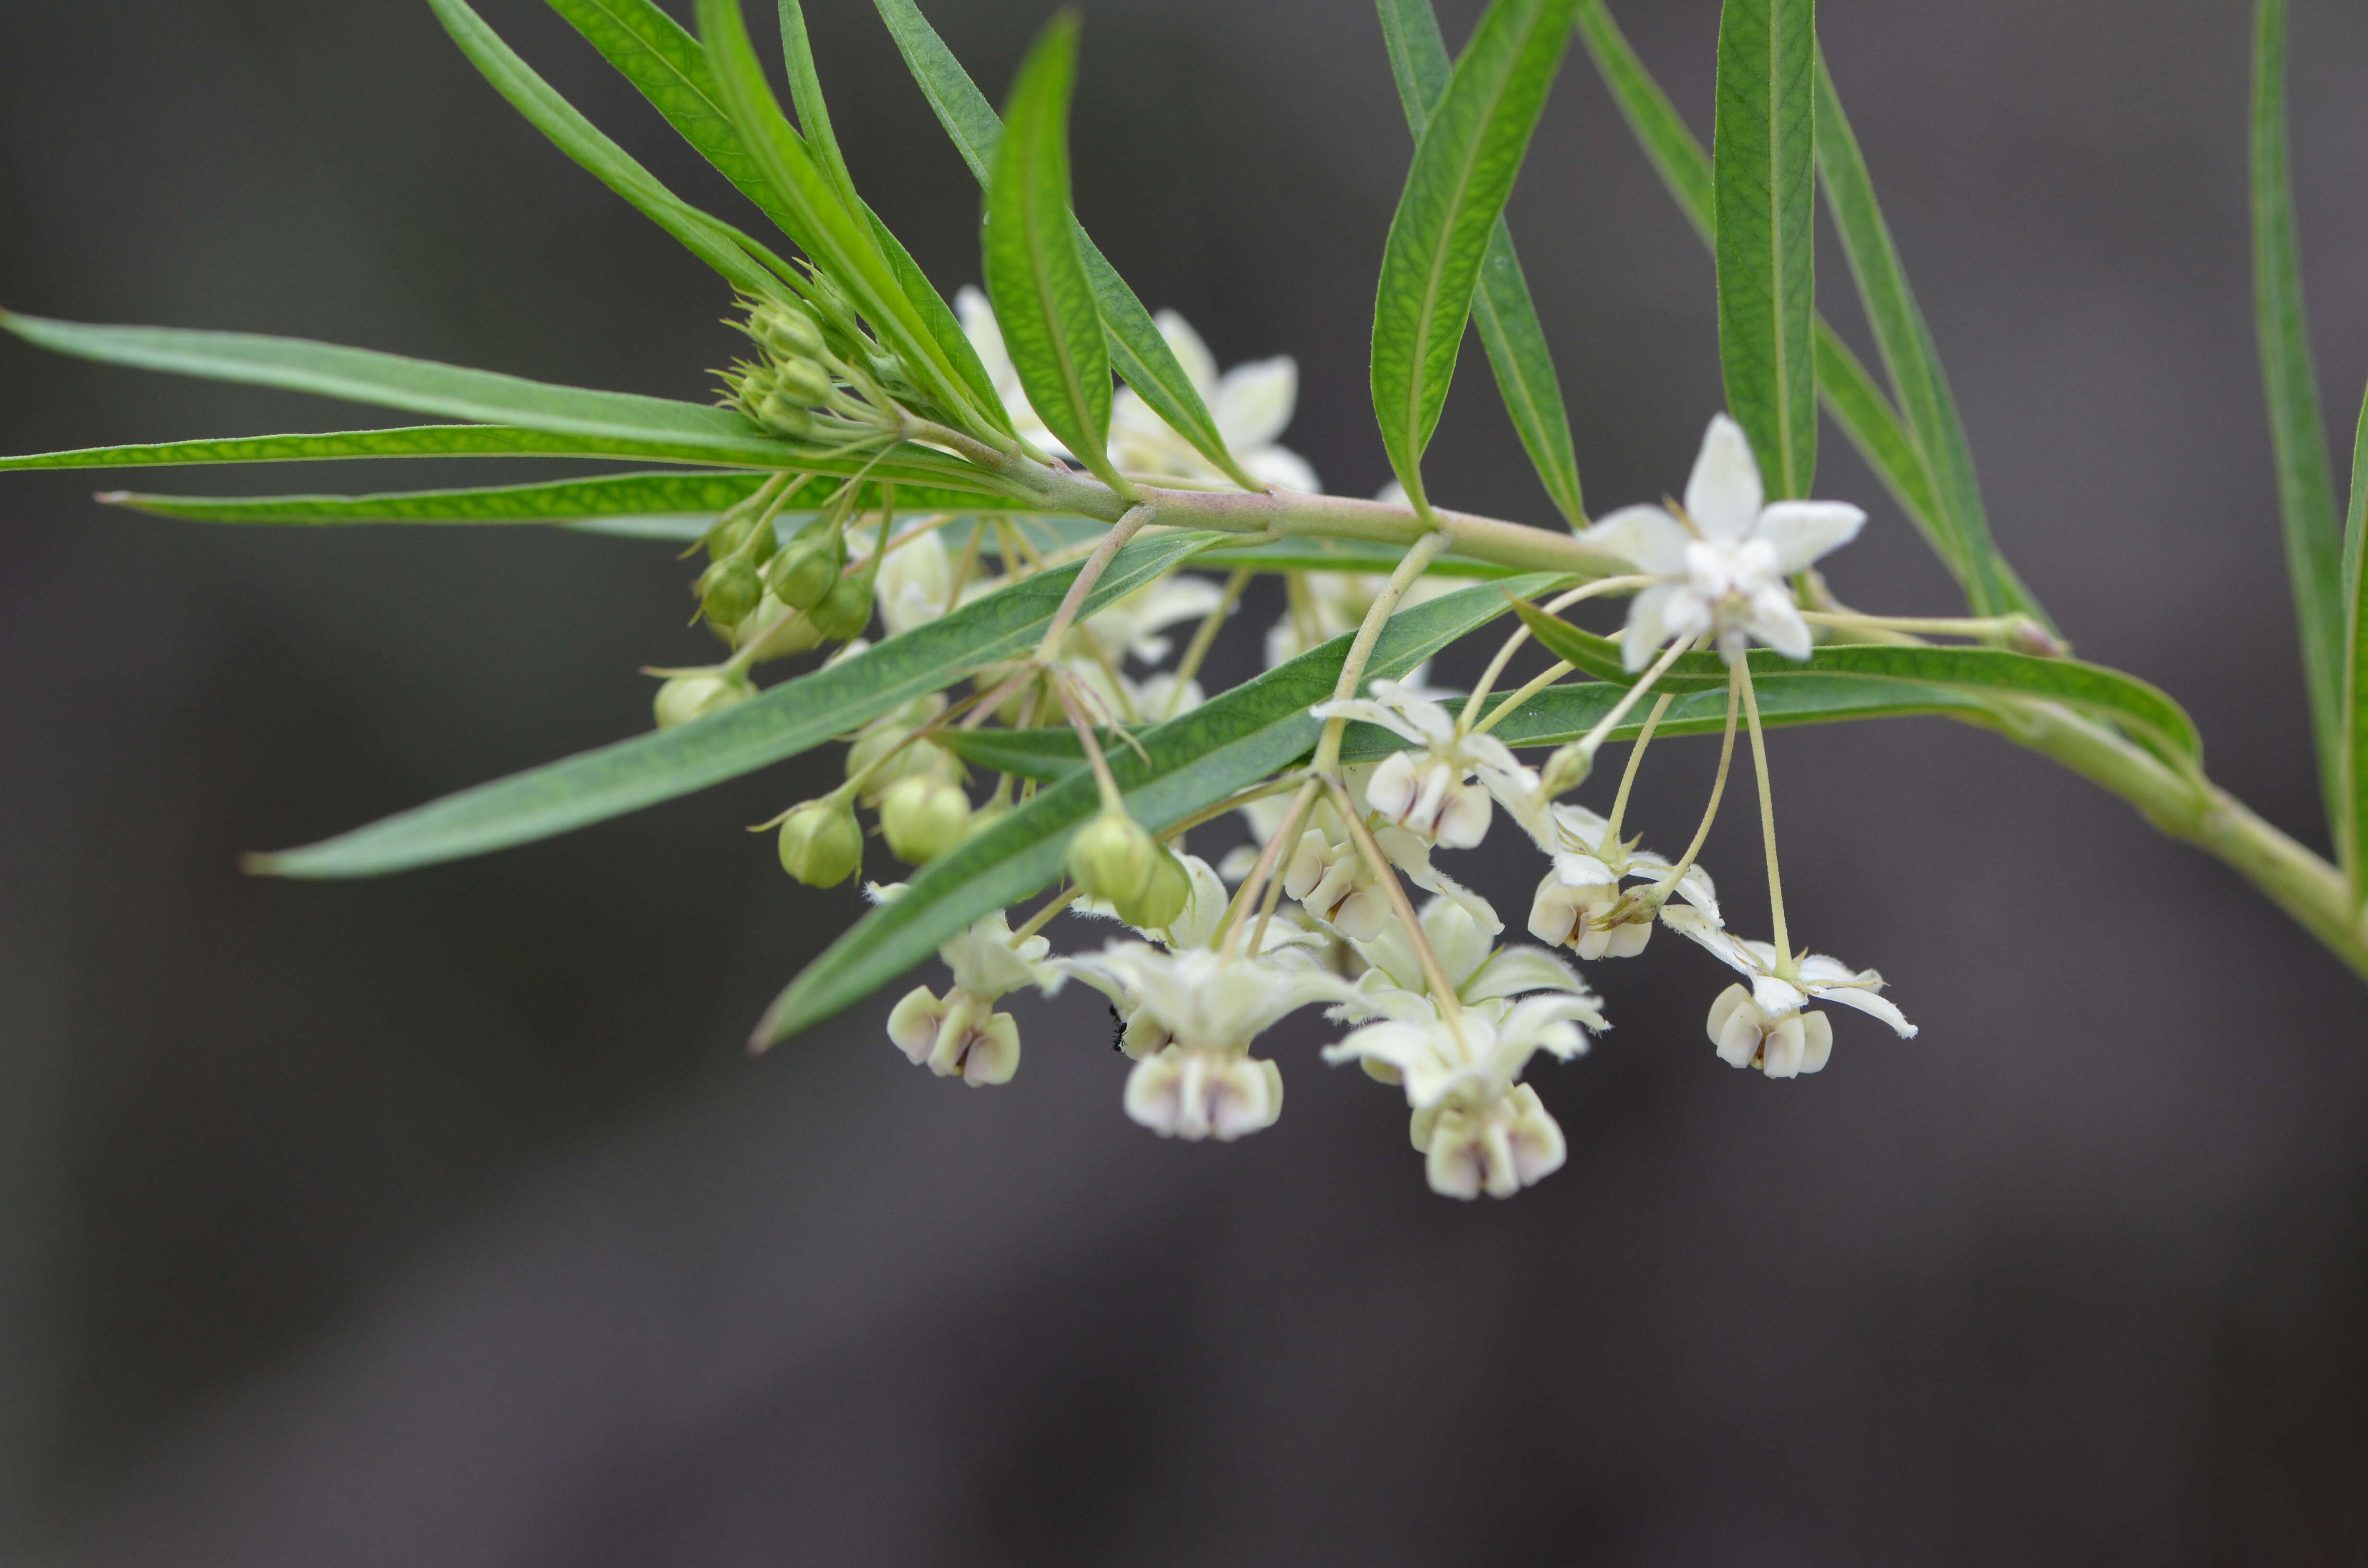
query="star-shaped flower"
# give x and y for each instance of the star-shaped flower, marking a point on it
(1193, 1015)
(1722, 560)
(1424, 791)
(1577, 902)
(961, 1034)
(1769, 1024)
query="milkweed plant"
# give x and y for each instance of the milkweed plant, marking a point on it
(1004, 530)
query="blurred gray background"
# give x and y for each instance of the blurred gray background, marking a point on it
(443, 1219)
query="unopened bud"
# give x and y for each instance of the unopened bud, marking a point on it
(784, 631)
(1113, 859)
(885, 749)
(802, 381)
(922, 817)
(804, 574)
(1565, 770)
(728, 591)
(730, 532)
(685, 698)
(786, 329)
(822, 844)
(845, 611)
(1163, 898)
(2024, 635)
(785, 417)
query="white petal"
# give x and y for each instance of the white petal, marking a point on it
(1776, 620)
(1645, 536)
(1648, 626)
(1723, 495)
(1516, 970)
(1391, 789)
(1283, 467)
(1692, 923)
(1253, 402)
(1817, 1036)
(985, 334)
(912, 1023)
(1801, 531)
(1869, 1003)
(1189, 350)
(1365, 710)
(1583, 872)
(1776, 997)
(1781, 1052)
(1463, 820)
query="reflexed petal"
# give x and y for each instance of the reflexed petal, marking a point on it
(1776, 620)
(1365, 710)
(1723, 495)
(1253, 402)
(1433, 722)
(1456, 940)
(1801, 531)
(1583, 872)
(1776, 997)
(1516, 970)
(1693, 924)
(1189, 350)
(1873, 1005)
(1647, 537)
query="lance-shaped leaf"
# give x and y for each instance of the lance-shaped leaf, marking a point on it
(743, 262)
(1034, 273)
(2351, 823)
(626, 420)
(676, 505)
(2297, 432)
(1912, 361)
(1850, 394)
(1138, 351)
(835, 231)
(1186, 765)
(1553, 717)
(1463, 171)
(2145, 710)
(1763, 169)
(1501, 309)
(793, 717)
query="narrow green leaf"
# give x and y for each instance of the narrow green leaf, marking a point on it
(1138, 352)
(1850, 394)
(2352, 824)
(714, 241)
(793, 717)
(2297, 432)
(2145, 708)
(1913, 362)
(1034, 273)
(1194, 761)
(1464, 167)
(1553, 717)
(805, 96)
(1763, 175)
(421, 386)
(412, 441)
(833, 230)
(1502, 308)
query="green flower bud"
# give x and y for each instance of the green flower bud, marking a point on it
(801, 381)
(922, 759)
(803, 574)
(1567, 769)
(1163, 897)
(786, 329)
(785, 417)
(1113, 859)
(685, 698)
(728, 591)
(730, 532)
(784, 631)
(923, 817)
(822, 844)
(845, 610)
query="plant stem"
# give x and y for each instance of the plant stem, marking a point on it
(1065, 617)
(1628, 778)
(1442, 990)
(1352, 671)
(1785, 967)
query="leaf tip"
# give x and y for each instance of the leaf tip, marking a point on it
(261, 863)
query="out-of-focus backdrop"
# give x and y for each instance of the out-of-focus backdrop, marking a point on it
(443, 1219)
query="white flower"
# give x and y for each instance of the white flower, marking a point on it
(961, 1034)
(1424, 791)
(913, 583)
(1768, 1024)
(1580, 902)
(1129, 627)
(1722, 562)
(1251, 404)
(1191, 1016)
(1480, 1130)
(1479, 970)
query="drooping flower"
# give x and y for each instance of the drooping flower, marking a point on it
(1581, 903)
(1424, 791)
(1722, 559)
(1481, 972)
(1769, 1024)
(1192, 1016)
(961, 1034)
